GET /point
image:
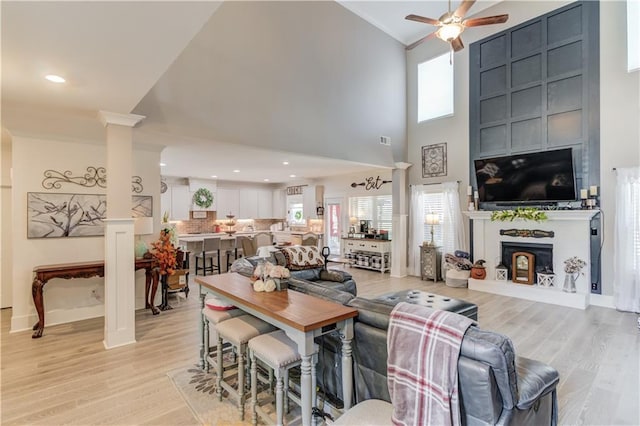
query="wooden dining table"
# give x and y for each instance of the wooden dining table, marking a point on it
(301, 316)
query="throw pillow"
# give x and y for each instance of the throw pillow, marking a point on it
(218, 305)
(302, 257)
(331, 276)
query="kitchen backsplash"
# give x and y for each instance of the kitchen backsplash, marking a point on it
(208, 224)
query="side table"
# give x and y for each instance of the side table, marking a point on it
(430, 259)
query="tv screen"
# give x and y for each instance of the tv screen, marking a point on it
(540, 176)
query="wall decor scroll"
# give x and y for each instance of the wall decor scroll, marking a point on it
(527, 233)
(434, 160)
(136, 184)
(95, 176)
(371, 183)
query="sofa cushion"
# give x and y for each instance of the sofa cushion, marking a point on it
(307, 274)
(336, 276)
(336, 293)
(302, 257)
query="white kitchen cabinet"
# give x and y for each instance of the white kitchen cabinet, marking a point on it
(309, 202)
(265, 204)
(248, 204)
(228, 202)
(279, 204)
(176, 202)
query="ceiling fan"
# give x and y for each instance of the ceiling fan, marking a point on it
(452, 24)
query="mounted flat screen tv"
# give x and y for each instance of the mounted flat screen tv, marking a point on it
(535, 177)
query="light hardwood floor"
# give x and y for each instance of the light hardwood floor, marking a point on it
(67, 377)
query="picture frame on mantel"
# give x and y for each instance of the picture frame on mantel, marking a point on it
(434, 160)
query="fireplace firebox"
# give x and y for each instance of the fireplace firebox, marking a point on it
(542, 253)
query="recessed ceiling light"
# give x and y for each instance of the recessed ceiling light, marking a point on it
(214, 176)
(163, 164)
(54, 78)
(292, 175)
(266, 180)
(236, 171)
(286, 163)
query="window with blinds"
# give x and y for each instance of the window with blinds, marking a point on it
(376, 208)
(433, 205)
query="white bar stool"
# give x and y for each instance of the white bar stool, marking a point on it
(237, 331)
(211, 318)
(279, 352)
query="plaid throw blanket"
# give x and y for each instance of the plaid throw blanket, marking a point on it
(422, 369)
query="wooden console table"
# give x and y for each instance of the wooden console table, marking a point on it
(87, 270)
(302, 317)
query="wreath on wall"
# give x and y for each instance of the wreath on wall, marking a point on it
(203, 198)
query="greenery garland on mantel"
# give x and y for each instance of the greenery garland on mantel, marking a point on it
(203, 198)
(524, 213)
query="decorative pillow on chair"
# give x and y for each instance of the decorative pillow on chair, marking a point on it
(302, 257)
(334, 276)
(217, 304)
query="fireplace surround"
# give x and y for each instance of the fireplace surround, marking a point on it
(569, 235)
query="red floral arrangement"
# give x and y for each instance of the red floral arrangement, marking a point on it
(165, 253)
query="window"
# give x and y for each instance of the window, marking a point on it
(633, 35)
(435, 88)
(296, 214)
(378, 209)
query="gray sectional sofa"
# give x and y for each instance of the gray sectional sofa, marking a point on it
(496, 387)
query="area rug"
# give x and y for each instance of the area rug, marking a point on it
(198, 390)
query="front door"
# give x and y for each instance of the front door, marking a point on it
(333, 224)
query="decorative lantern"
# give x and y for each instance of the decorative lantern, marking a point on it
(546, 278)
(501, 272)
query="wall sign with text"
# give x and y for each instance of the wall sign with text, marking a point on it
(371, 183)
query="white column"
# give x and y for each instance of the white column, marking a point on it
(119, 274)
(400, 220)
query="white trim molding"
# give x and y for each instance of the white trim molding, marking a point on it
(128, 120)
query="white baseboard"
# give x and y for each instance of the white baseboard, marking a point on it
(26, 322)
(602, 300)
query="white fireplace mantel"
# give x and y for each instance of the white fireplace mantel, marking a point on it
(572, 233)
(552, 215)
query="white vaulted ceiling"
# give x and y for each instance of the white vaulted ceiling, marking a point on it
(114, 55)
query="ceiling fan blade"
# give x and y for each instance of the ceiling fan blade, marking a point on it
(489, 20)
(422, 19)
(464, 8)
(456, 44)
(423, 39)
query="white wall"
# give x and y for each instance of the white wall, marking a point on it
(65, 300)
(293, 76)
(619, 110)
(6, 253)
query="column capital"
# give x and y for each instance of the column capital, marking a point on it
(402, 165)
(129, 120)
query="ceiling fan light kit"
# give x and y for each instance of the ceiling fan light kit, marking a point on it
(452, 24)
(449, 32)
